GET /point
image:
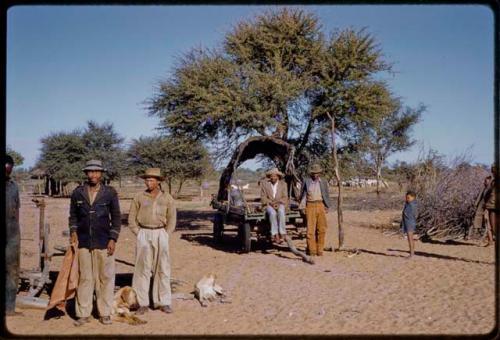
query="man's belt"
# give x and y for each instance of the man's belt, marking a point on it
(151, 226)
(315, 201)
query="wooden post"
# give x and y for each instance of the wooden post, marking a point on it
(40, 235)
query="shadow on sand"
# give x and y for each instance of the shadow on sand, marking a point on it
(193, 219)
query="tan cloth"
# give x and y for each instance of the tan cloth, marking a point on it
(97, 270)
(67, 279)
(152, 258)
(490, 197)
(152, 212)
(266, 193)
(316, 227)
(93, 193)
(314, 192)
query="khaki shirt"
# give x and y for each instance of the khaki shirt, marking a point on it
(152, 212)
(314, 192)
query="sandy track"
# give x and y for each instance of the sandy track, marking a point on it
(447, 289)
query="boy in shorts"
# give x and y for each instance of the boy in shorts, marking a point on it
(409, 219)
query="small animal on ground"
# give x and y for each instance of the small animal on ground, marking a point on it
(207, 290)
(124, 301)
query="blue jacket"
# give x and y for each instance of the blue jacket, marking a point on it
(95, 224)
(324, 191)
(410, 213)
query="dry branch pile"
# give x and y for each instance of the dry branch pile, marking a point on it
(446, 198)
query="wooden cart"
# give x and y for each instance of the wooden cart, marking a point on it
(251, 221)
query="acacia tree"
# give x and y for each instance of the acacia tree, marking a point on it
(247, 87)
(350, 59)
(388, 133)
(103, 142)
(274, 76)
(63, 154)
(179, 158)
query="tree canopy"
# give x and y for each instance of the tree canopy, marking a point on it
(273, 75)
(16, 156)
(179, 158)
(63, 154)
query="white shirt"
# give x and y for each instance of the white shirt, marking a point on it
(275, 188)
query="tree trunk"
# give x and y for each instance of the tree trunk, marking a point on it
(181, 182)
(379, 170)
(339, 182)
(169, 182)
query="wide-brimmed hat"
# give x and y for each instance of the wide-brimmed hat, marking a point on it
(274, 171)
(94, 164)
(153, 172)
(315, 169)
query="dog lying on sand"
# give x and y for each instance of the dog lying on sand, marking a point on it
(207, 290)
(124, 301)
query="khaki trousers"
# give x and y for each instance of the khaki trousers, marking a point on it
(316, 227)
(96, 272)
(152, 258)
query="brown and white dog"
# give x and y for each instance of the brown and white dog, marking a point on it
(124, 301)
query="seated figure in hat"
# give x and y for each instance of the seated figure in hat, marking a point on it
(274, 197)
(152, 218)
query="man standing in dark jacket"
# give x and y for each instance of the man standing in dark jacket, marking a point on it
(94, 221)
(315, 199)
(13, 239)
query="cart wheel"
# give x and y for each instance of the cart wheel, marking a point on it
(245, 237)
(218, 228)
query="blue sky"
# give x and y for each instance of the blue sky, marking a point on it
(70, 64)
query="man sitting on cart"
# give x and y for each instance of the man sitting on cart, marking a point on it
(274, 198)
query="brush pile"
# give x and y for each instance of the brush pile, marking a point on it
(446, 196)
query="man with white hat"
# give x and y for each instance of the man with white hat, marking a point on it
(95, 222)
(316, 201)
(152, 218)
(274, 197)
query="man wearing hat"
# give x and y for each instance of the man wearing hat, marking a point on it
(274, 197)
(12, 240)
(314, 197)
(95, 221)
(152, 218)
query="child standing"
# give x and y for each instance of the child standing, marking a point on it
(409, 219)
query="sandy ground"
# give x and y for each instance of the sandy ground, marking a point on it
(446, 289)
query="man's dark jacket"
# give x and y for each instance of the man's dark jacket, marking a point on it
(324, 190)
(95, 224)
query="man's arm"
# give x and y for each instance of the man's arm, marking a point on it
(326, 194)
(171, 215)
(132, 216)
(284, 194)
(303, 189)
(263, 195)
(115, 216)
(18, 204)
(73, 217)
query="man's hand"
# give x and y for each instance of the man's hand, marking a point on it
(73, 239)
(111, 247)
